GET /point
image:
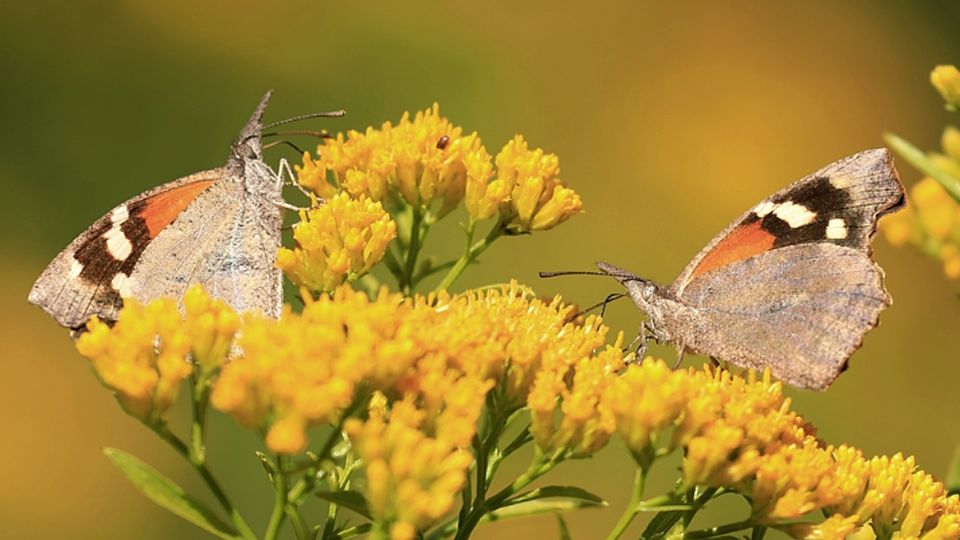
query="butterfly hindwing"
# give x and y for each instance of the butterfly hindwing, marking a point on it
(801, 310)
(838, 204)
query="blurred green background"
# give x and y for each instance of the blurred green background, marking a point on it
(669, 119)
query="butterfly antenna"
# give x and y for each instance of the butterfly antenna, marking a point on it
(602, 305)
(328, 114)
(320, 134)
(286, 142)
(571, 273)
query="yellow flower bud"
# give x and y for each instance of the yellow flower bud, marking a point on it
(946, 79)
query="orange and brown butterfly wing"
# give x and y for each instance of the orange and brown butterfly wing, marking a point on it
(839, 204)
(791, 285)
(87, 277)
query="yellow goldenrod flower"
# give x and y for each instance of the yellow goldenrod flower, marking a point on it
(950, 142)
(143, 358)
(210, 326)
(834, 527)
(538, 199)
(646, 399)
(584, 425)
(936, 208)
(946, 79)
(340, 240)
(413, 480)
(313, 176)
(483, 197)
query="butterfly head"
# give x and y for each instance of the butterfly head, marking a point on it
(247, 147)
(643, 291)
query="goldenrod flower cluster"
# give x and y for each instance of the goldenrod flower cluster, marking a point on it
(425, 160)
(538, 199)
(425, 365)
(413, 479)
(433, 359)
(931, 220)
(144, 356)
(338, 241)
(739, 434)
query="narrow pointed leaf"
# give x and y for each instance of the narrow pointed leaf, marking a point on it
(566, 492)
(351, 500)
(537, 507)
(918, 159)
(166, 494)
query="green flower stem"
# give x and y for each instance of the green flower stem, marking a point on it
(721, 530)
(470, 253)
(181, 448)
(279, 501)
(393, 265)
(631, 510)
(198, 409)
(410, 264)
(540, 466)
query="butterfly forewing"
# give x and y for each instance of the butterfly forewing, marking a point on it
(89, 277)
(838, 204)
(219, 228)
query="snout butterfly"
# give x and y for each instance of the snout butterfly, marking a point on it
(790, 285)
(219, 228)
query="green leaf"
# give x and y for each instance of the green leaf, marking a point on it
(953, 473)
(924, 164)
(351, 500)
(166, 494)
(537, 507)
(568, 492)
(564, 531)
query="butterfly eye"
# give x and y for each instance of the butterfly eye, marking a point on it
(648, 290)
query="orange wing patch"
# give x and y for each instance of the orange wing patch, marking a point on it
(742, 243)
(161, 209)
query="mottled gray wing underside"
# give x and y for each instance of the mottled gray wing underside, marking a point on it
(802, 310)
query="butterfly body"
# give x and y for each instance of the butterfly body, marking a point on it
(219, 228)
(790, 285)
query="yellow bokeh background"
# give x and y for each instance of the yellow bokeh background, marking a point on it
(670, 119)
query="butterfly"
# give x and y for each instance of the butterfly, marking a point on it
(219, 228)
(790, 285)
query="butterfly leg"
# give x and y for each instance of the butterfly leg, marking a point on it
(639, 344)
(681, 349)
(288, 206)
(283, 169)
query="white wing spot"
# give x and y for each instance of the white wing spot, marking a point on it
(841, 182)
(121, 284)
(75, 268)
(836, 229)
(118, 245)
(796, 215)
(119, 215)
(764, 208)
